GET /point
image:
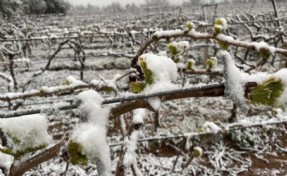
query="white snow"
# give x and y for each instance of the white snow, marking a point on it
(282, 75)
(234, 81)
(181, 46)
(211, 127)
(164, 72)
(161, 87)
(163, 68)
(93, 139)
(6, 77)
(123, 125)
(16, 94)
(93, 135)
(226, 38)
(106, 83)
(188, 143)
(280, 114)
(131, 146)
(30, 131)
(138, 116)
(73, 81)
(259, 45)
(210, 1)
(155, 103)
(6, 160)
(23, 59)
(221, 23)
(167, 33)
(130, 143)
(91, 106)
(133, 34)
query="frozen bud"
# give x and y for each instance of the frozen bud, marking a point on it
(197, 152)
(176, 48)
(190, 25)
(220, 25)
(75, 151)
(223, 45)
(172, 49)
(211, 63)
(190, 64)
(265, 53)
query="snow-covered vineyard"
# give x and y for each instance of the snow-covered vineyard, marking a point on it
(198, 89)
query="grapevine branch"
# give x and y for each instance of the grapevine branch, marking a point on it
(50, 58)
(36, 160)
(130, 103)
(193, 35)
(42, 92)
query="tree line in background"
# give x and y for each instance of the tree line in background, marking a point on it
(117, 7)
(227, 1)
(11, 7)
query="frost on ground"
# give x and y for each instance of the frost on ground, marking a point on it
(234, 156)
(226, 149)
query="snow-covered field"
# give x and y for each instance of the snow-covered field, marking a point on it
(202, 133)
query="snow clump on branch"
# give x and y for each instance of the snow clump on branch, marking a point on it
(91, 137)
(163, 68)
(93, 140)
(160, 74)
(92, 108)
(234, 82)
(211, 127)
(220, 25)
(264, 49)
(27, 133)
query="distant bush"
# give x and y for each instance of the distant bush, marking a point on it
(34, 6)
(9, 7)
(56, 6)
(12, 7)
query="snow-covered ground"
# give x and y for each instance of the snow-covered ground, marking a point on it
(253, 143)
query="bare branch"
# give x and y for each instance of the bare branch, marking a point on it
(45, 155)
(193, 35)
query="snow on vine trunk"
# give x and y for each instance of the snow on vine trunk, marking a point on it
(131, 142)
(92, 134)
(5, 161)
(234, 81)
